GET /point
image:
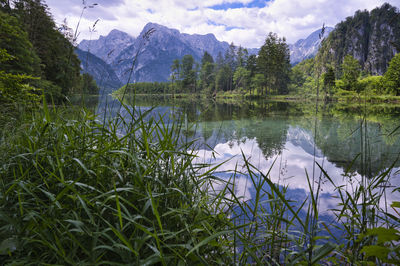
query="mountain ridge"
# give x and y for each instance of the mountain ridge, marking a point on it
(307, 48)
(165, 45)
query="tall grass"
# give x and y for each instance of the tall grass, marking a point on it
(76, 192)
(124, 190)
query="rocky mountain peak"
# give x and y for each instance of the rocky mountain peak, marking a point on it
(108, 47)
(307, 48)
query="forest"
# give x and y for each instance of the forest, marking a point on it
(37, 57)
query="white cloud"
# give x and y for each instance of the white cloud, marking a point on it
(248, 27)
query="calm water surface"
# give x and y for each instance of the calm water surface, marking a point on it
(287, 140)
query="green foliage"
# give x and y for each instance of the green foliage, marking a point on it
(188, 74)
(274, 62)
(82, 194)
(207, 76)
(392, 76)
(89, 85)
(329, 80)
(372, 85)
(351, 71)
(29, 34)
(147, 88)
(385, 249)
(223, 80)
(241, 78)
(207, 58)
(371, 37)
(52, 92)
(15, 41)
(59, 64)
(14, 89)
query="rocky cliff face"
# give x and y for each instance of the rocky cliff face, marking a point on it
(373, 38)
(108, 47)
(306, 48)
(104, 75)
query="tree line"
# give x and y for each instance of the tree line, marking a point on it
(347, 79)
(236, 70)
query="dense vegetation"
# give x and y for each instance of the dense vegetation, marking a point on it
(82, 189)
(39, 49)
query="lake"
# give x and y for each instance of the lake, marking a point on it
(290, 141)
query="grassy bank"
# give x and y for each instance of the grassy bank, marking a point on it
(78, 189)
(348, 97)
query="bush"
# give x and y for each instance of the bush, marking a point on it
(52, 92)
(372, 85)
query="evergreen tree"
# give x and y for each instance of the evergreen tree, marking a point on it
(241, 77)
(207, 58)
(251, 66)
(391, 78)
(89, 84)
(13, 88)
(351, 71)
(242, 56)
(329, 80)
(59, 63)
(274, 62)
(219, 62)
(223, 78)
(207, 73)
(188, 73)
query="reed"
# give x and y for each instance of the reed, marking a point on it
(77, 188)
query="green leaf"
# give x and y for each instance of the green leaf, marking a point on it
(395, 204)
(376, 251)
(384, 234)
(7, 246)
(322, 252)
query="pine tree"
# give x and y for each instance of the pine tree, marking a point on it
(351, 71)
(188, 73)
(274, 63)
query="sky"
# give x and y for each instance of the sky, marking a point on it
(243, 22)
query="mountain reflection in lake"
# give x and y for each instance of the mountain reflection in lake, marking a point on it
(286, 139)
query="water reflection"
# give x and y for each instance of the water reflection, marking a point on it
(284, 139)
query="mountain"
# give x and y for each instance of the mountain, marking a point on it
(102, 72)
(156, 56)
(373, 38)
(157, 52)
(306, 48)
(161, 49)
(108, 47)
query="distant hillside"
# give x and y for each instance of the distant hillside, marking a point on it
(306, 48)
(103, 74)
(373, 38)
